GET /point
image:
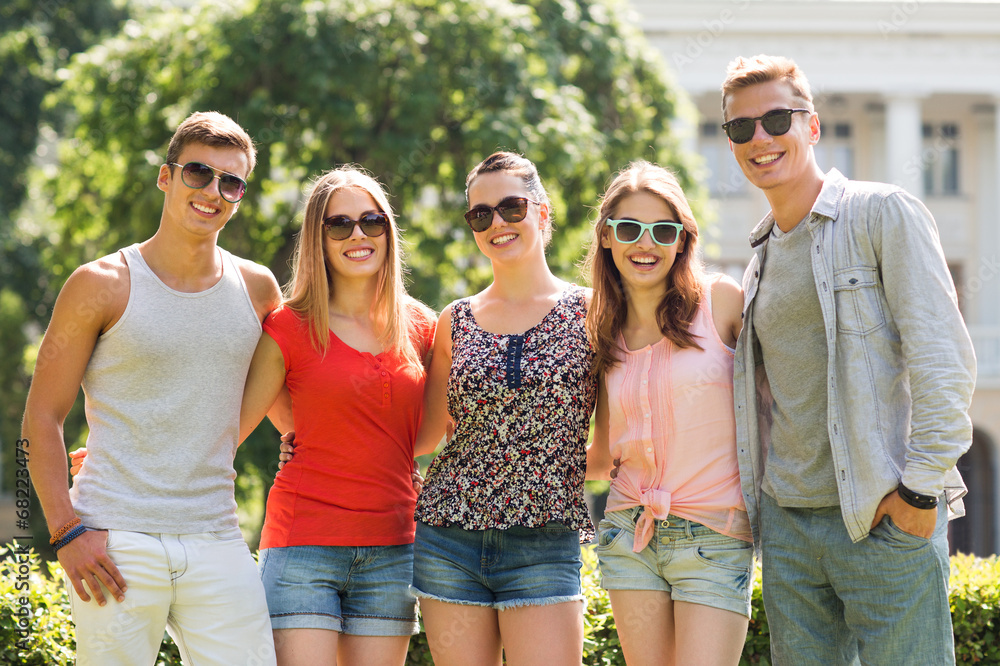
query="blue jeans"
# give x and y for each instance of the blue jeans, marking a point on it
(359, 590)
(687, 560)
(500, 569)
(883, 600)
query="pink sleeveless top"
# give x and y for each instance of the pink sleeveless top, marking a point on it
(673, 427)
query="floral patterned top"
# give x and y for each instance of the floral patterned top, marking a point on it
(522, 406)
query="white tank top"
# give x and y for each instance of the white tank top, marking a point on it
(163, 391)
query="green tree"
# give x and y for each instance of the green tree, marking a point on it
(417, 91)
(36, 39)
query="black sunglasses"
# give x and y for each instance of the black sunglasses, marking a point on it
(665, 232)
(775, 123)
(340, 227)
(197, 176)
(511, 209)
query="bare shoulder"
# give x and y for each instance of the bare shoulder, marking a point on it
(726, 293)
(98, 291)
(727, 308)
(261, 284)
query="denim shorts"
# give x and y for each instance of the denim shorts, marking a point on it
(687, 560)
(501, 569)
(358, 590)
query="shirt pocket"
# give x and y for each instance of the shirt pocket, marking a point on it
(858, 297)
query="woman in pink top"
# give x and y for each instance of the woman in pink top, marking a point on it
(675, 548)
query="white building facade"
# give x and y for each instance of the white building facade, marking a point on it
(907, 93)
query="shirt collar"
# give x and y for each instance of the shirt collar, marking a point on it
(827, 204)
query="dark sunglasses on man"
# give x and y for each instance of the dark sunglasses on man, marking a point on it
(197, 176)
(775, 123)
(511, 210)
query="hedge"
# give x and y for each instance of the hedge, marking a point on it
(36, 629)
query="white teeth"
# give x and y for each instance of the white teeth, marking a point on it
(767, 159)
(643, 260)
(358, 254)
(499, 240)
(203, 208)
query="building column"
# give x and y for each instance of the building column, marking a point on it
(904, 143)
(982, 279)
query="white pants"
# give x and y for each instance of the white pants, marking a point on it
(203, 588)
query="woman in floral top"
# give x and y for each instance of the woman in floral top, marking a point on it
(502, 512)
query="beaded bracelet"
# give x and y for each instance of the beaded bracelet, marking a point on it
(72, 534)
(61, 532)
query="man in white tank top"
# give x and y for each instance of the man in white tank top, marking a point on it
(160, 336)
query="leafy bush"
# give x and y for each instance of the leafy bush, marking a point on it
(36, 629)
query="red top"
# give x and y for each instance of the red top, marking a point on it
(356, 418)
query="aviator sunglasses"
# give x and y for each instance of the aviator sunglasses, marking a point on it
(511, 209)
(663, 233)
(197, 176)
(340, 227)
(775, 123)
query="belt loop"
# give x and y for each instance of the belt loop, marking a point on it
(687, 529)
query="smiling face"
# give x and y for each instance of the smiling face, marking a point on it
(201, 212)
(505, 241)
(644, 264)
(770, 162)
(358, 256)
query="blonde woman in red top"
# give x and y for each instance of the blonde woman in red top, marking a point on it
(674, 548)
(350, 345)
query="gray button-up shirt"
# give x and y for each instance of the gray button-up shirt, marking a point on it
(900, 364)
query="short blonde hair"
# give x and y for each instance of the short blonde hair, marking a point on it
(745, 72)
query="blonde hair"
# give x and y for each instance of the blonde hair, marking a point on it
(745, 72)
(609, 306)
(394, 313)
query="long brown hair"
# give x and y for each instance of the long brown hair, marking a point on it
(308, 292)
(609, 307)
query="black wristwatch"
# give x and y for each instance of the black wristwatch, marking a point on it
(916, 499)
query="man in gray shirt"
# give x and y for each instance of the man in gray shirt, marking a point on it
(160, 336)
(853, 377)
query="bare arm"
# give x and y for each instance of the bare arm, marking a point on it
(265, 381)
(435, 419)
(77, 320)
(280, 413)
(727, 309)
(599, 452)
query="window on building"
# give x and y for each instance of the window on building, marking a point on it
(834, 150)
(940, 159)
(725, 178)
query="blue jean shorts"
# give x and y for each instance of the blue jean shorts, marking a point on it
(501, 569)
(688, 561)
(358, 590)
